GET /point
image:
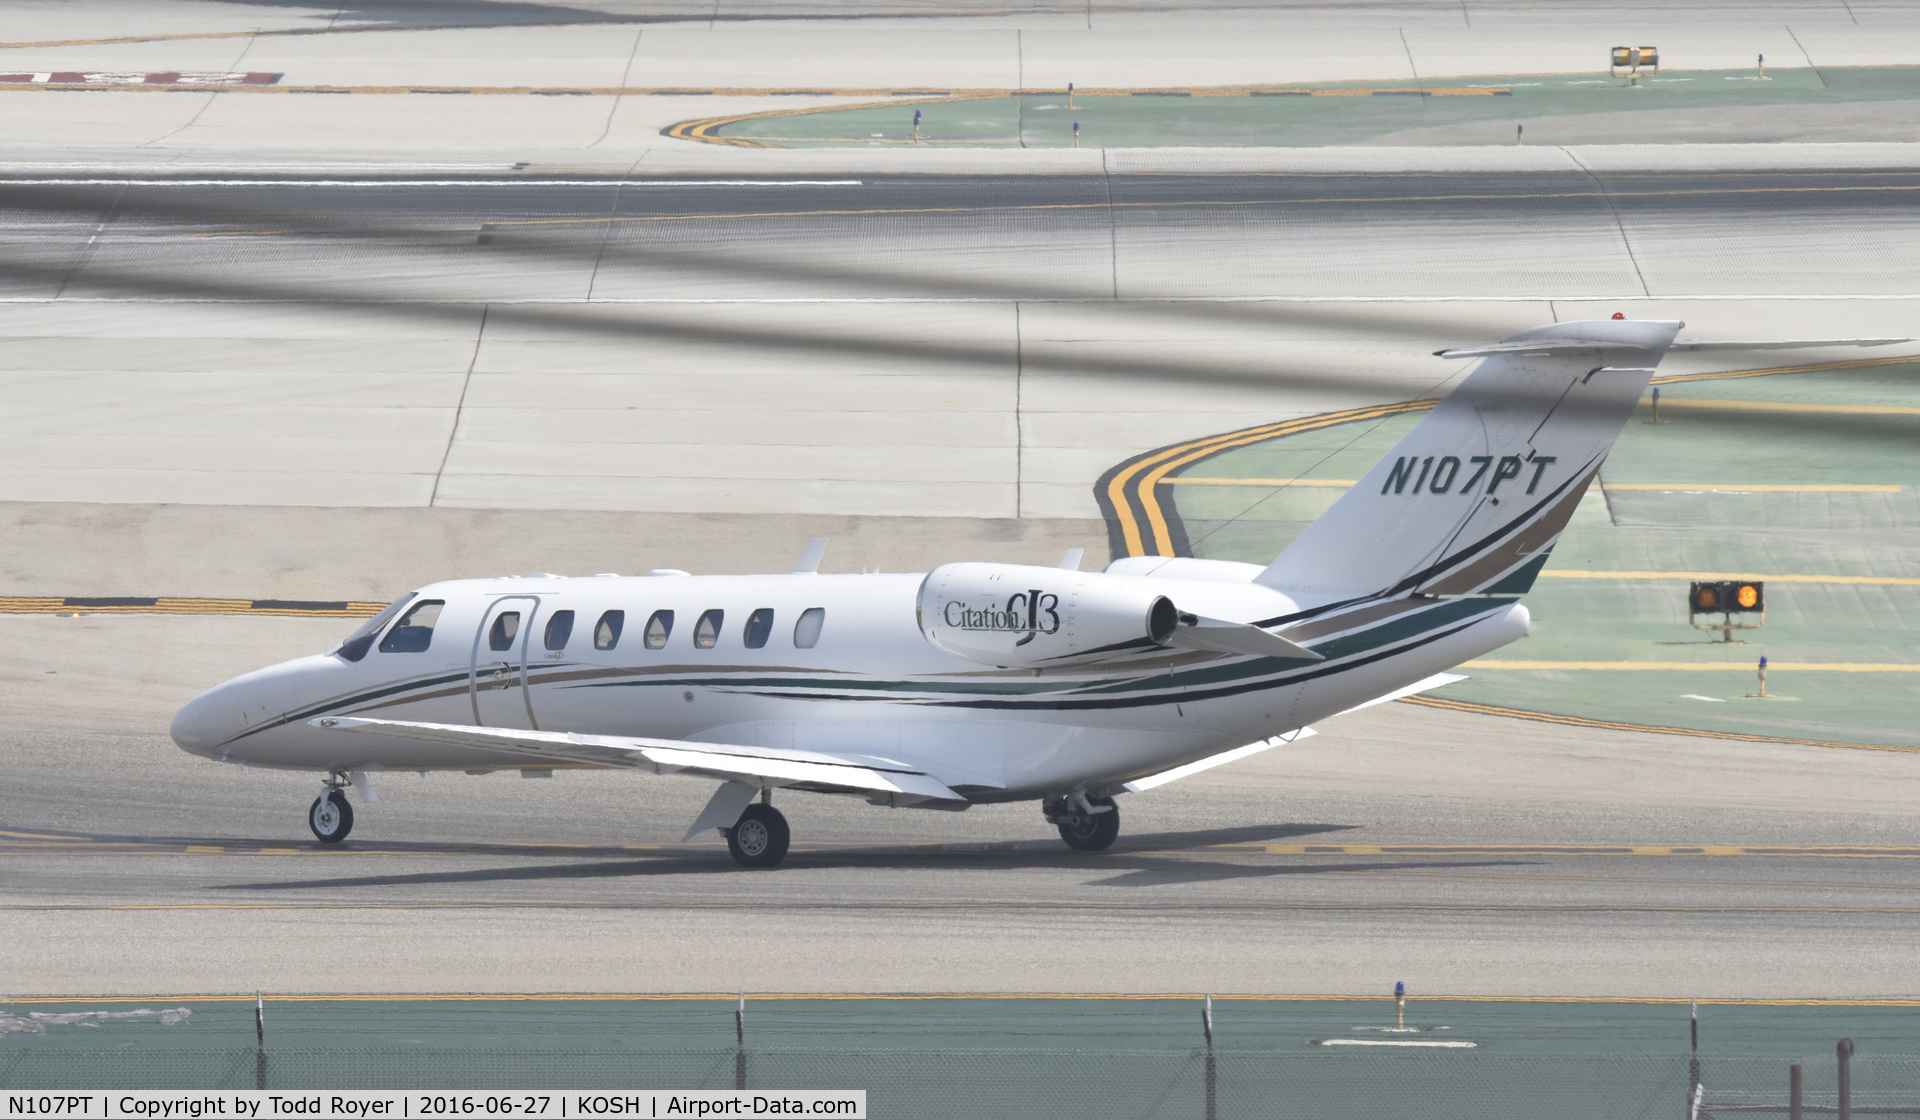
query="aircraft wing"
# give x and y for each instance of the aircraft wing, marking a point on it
(761, 766)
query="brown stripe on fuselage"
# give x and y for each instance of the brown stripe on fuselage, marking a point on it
(1359, 616)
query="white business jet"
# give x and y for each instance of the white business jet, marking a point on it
(974, 682)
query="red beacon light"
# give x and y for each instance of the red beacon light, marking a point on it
(1619, 314)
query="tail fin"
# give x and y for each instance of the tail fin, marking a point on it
(1473, 499)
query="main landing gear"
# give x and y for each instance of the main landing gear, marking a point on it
(760, 837)
(330, 817)
(1087, 824)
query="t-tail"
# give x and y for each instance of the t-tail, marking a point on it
(1474, 498)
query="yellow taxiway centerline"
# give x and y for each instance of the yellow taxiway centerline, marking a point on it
(1866, 581)
(1702, 666)
(1688, 487)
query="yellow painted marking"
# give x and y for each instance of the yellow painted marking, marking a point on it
(1708, 666)
(1765, 488)
(1189, 480)
(1868, 581)
(1184, 453)
(1130, 528)
(127, 847)
(1652, 729)
(1791, 406)
(1700, 487)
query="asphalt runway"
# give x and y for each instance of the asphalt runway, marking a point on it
(1463, 854)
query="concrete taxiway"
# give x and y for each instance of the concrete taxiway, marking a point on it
(880, 345)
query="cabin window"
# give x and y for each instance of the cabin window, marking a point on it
(759, 625)
(659, 629)
(361, 640)
(806, 632)
(606, 632)
(559, 629)
(706, 632)
(414, 631)
(505, 628)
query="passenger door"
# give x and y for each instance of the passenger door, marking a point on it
(498, 682)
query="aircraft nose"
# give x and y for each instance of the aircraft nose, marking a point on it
(199, 727)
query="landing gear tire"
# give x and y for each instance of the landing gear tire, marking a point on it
(331, 818)
(759, 838)
(1090, 832)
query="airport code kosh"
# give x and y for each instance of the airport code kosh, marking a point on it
(264, 1104)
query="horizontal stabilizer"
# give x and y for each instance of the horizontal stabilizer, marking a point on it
(1777, 343)
(1197, 632)
(1472, 500)
(757, 765)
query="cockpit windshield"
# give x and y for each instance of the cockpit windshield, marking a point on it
(361, 640)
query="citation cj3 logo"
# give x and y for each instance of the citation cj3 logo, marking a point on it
(1025, 611)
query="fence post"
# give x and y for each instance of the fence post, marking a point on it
(740, 1043)
(259, 1041)
(1796, 1107)
(1693, 1064)
(1845, 1052)
(1206, 1024)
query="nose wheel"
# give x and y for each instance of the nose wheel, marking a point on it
(759, 838)
(330, 817)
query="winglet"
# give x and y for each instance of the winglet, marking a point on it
(1071, 561)
(810, 559)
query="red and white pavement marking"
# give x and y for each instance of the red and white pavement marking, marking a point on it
(130, 78)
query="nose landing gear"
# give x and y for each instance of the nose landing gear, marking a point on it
(1087, 824)
(330, 817)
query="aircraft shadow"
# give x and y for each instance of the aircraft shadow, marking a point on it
(1146, 863)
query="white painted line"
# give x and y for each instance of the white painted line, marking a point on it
(153, 167)
(430, 182)
(1449, 1044)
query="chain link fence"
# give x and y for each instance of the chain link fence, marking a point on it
(1118, 1084)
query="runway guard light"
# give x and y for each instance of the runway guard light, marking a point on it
(1727, 598)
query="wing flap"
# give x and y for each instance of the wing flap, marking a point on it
(762, 766)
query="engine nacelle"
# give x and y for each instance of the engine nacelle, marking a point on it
(1015, 615)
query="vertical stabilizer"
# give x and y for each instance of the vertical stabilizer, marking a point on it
(1472, 500)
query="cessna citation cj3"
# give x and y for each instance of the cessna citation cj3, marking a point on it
(974, 682)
